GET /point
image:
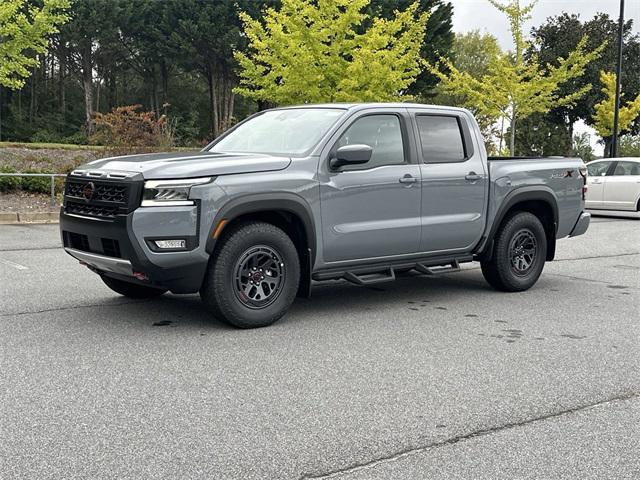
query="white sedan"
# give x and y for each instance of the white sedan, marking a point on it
(614, 184)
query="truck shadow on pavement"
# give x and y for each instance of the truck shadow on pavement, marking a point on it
(327, 300)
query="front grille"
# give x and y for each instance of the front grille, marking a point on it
(86, 209)
(101, 246)
(103, 192)
(103, 198)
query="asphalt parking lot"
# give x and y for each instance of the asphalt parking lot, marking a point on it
(422, 378)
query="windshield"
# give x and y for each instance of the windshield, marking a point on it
(291, 132)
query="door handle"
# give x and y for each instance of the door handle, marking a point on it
(472, 177)
(408, 179)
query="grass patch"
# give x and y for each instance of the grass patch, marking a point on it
(51, 146)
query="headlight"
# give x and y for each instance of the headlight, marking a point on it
(170, 193)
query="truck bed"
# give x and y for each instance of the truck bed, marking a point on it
(560, 176)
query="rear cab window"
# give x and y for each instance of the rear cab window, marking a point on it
(441, 138)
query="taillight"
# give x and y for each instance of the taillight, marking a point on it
(584, 173)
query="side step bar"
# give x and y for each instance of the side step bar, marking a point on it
(370, 278)
(453, 267)
(364, 275)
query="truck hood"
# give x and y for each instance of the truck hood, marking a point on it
(186, 165)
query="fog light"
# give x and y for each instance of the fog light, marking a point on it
(171, 243)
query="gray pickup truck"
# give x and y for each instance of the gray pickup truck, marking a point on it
(293, 195)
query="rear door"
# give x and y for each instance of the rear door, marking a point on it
(454, 181)
(622, 187)
(595, 183)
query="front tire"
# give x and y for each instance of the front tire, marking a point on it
(519, 254)
(131, 290)
(253, 278)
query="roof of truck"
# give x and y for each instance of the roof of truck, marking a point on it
(358, 106)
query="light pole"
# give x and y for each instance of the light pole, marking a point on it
(616, 107)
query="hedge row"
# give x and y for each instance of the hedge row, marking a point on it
(28, 184)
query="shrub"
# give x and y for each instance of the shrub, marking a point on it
(45, 136)
(129, 130)
(78, 138)
(36, 184)
(9, 184)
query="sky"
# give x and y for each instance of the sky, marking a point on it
(481, 15)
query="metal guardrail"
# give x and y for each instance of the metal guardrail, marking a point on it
(53, 180)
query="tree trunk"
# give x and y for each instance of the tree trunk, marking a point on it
(98, 90)
(164, 79)
(32, 99)
(608, 143)
(213, 104)
(62, 71)
(232, 99)
(111, 91)
(87, 85)
(512, 142)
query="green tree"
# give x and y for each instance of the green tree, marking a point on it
(92, 32)
(559, 36)
(541, 135)
(24, 31)
(582, 148)
(144, 28)
(630, 146)
(321, 52)
(438, 36)
(473, 52)
(604, 111)
(516, 86)
(204, 37)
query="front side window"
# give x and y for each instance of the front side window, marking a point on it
(287, 132)
(627, 168)
(382, 133)
(441, 139)
(598, 169)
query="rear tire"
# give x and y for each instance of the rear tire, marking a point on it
(519, 254)
(252, 280)
(131, 290)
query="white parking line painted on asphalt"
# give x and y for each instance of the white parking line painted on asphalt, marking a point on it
(17, 266)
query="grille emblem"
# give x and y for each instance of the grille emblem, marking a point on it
(88, 191)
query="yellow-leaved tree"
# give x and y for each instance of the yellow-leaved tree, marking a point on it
(603, 116)
(24, 30)
(515, 86)
(330, 51)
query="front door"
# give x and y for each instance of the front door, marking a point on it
(371, 210)
(454, 182)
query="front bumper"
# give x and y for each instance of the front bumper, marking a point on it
(581, 225)
(121, 247)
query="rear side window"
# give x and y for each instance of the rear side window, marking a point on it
(382, 133)
(441, 139)
(598, 169)
(627, 168)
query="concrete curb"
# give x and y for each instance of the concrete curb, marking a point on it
(8, 218)
(11, 218)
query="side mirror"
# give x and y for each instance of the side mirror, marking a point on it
(351, 155)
